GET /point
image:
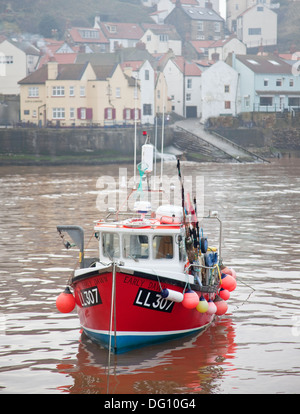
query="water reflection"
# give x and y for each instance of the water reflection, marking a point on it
(190, 365)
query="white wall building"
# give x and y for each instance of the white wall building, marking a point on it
(184, 86)
(13, 67)
(257, 26)
(220, 91)
(161, 39)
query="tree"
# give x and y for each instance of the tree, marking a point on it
(49, 25)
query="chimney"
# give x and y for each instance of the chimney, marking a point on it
(215, 56)
(208, 5)
(52, 69)
(97, 22)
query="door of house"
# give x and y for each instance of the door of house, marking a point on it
(191, 111)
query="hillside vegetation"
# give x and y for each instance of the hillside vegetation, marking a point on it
(30, 15)
(40, 16)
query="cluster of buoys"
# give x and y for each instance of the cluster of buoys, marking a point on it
(190, 299)
(65, 302)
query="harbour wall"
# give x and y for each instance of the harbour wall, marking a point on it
(76, 141)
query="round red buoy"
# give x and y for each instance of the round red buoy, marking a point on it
(224, 294)
(228, 282)
(190, 299)
(221, 306)
(229, 271)
(65, 302)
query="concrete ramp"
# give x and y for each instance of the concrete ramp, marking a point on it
(227, 147)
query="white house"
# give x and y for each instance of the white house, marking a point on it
(13, 67)
(224, 47)
(144, 74)
(257, 26)
(184, 86)
(234, 8)
(220, 91)
(121, 34)
(161, 38)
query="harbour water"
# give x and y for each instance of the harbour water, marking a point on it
(254, 348)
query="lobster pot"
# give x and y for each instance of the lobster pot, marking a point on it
(147, 157)
(172, 295)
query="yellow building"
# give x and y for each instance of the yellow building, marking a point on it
(78, 95)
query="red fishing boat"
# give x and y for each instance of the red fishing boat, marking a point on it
(156, 277)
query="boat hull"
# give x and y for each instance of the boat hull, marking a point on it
(124, 310)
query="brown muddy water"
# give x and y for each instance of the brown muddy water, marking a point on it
(254, 348)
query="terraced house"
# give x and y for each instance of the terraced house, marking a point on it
(79, 95)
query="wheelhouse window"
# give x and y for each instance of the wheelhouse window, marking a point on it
(162, 247)
(110, 245)
(135, 246)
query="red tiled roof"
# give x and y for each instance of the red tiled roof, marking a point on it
(189, 68)
(62, 58)
(134, 64)
(77, 37)
(122, 30)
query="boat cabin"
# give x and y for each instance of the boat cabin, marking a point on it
(156, 241)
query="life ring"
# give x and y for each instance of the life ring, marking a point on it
(137, 223)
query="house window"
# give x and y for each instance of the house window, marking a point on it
(136, 114)
(266, 82)
(266, 101)
(148, 38)
(189, 83)
(58, 91)
(34, 113)
(82, 90)
(158, 94)
(278, 82)
(109, 113)
(6, 59)
(72, 91)
(227, 105)
(294, 101)
(200, 26)
(127, 114)
(33, 92)
(72, 113)
(188, 97)
(82, 113)
(118, 92)
(226, 88)
(26, 112)
(163, 38)
(291, 83)
(254, 31)
(217, 27)
(146, 74)
(58, 113)
(147, 109)
(247, 101)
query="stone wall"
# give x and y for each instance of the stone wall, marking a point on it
(60, 141)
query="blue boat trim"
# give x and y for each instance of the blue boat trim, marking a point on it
(126, 341)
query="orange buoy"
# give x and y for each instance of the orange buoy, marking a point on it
(228, 282)
(190, 299)
(221, 305)
(65, 302)
(224, 294)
